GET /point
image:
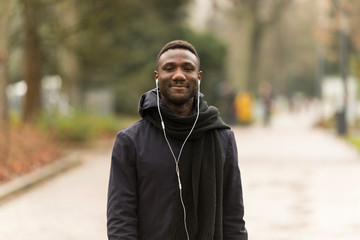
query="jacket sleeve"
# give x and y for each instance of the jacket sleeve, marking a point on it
(233, 210)
(122, 196)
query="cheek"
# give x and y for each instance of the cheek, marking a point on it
(162, 85)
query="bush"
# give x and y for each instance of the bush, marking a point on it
(26, 147)
(82, 126)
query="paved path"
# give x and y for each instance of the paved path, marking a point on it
(298, 184)
(69, 207)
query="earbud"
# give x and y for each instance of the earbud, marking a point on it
(157, 83)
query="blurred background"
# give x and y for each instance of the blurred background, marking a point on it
(72, 72)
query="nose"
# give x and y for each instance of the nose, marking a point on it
(178, 75)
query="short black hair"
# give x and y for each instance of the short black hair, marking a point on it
(175, 44)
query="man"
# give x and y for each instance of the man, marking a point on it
(174, 174)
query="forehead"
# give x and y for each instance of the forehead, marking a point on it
(178, 55)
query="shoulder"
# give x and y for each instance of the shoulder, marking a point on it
(128, 137)
(139, 132)
(227, 139)
(134, 129)
(129, 133)
(226, 135)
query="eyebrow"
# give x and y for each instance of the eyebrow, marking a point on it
(184, 63)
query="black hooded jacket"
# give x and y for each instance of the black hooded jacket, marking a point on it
(143, 182)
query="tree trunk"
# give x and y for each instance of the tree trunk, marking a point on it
(260, 24)
(68, 60)
(4, 125)
(3, 83)
(4, 22)
(254, 56)
(32, 63)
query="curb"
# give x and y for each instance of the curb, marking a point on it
(29, 180)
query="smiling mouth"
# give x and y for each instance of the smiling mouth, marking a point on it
(179, 89)
(179, 86)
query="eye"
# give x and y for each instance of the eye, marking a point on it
(189, 69)
(168, 68)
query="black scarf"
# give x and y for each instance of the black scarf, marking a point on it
(201, 171)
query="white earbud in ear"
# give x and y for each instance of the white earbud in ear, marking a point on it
(157, 83)
(198, 82)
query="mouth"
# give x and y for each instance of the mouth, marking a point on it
(179, 87)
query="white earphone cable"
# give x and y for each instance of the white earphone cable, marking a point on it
(182, 146)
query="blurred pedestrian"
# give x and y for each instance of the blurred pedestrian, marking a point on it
(266, 97)
(174, 174)
(243, 107)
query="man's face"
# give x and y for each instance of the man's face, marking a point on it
(178, 75)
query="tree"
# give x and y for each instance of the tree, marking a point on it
(32, 61)
(4, 23)
(290, 50)
(119, 43)
(68, 59)
(329, 33)
(99, 44)
(261, 16)
(354, 33)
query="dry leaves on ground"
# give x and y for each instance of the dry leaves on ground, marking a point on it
(25, 149)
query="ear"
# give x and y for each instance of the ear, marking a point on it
(156, 75)
(200, 75)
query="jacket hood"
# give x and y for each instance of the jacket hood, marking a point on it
(149, 100)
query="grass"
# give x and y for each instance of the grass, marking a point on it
(354, 141)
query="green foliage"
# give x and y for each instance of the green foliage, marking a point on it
(212, 52)
(82, 126)
(354, 141)
(15, 119)
(116, 44)
(122, 40)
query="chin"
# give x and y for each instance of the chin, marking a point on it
(181, 100)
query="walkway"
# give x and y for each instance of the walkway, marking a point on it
(69, 207)
(299, 184)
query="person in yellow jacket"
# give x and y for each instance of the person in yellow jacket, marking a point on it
(243, 106)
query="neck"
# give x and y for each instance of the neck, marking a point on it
(181, 110)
